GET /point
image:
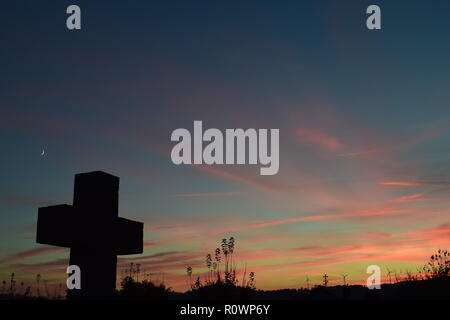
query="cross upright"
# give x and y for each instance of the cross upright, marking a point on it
(93, 231)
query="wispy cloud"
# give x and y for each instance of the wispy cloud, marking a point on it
(443, 228)
(30, 253)
(413, 198)
(242, 179)
(165, 261)
(25, 200)
(362, 213)
(48, 268)
(200, 195)
(317, 138)
(359, 153)
(414, 183)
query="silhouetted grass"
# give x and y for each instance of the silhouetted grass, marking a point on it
(220, 280)
(145, 289)
(13, 290)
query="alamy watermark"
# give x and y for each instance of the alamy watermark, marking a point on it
(374, 280)
(235, 146)
(74, 279)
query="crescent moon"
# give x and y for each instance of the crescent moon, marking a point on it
(43, 152)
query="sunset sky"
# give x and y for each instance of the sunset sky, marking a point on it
(363, 115)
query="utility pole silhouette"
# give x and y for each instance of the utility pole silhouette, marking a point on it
(93, 231)
(307, 282)
(325, 280)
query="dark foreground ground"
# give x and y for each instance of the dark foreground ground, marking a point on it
(406, 290)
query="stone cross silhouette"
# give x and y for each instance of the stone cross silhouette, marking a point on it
(93, 231)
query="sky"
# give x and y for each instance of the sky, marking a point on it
(363, 116)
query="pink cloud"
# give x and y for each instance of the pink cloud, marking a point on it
(225, 175)
(359, 153)
(317, 138)
(362, 213)
(413, 198)
(414, 183)
(30, 253)
(210, 194)
(441, 229)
